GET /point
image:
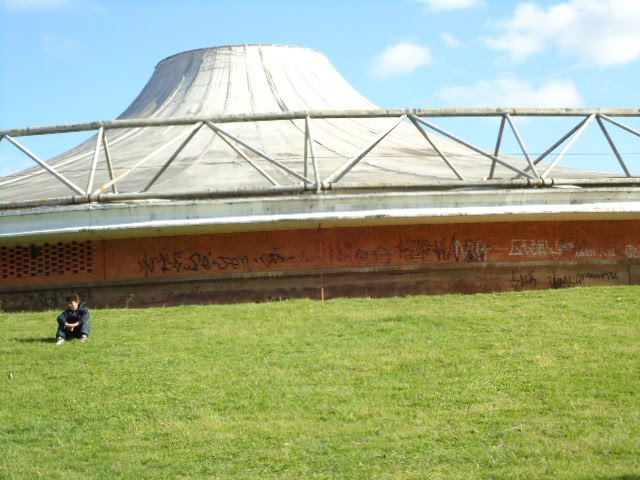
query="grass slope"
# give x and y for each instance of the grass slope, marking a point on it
(523, 385)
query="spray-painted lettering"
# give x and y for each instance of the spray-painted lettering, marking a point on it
(372, 257)
(443, 250)
(540, 248)
(523, 280)
(173, 262)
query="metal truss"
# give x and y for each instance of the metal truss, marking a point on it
(309, 179)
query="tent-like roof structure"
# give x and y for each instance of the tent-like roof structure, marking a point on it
(269, 136)
(267, 82)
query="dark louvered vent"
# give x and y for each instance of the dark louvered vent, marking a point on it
(49, 259)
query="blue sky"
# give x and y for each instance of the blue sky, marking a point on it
(64, 61)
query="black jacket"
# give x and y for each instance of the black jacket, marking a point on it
(72, 316)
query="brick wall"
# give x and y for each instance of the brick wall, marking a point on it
(464, 257)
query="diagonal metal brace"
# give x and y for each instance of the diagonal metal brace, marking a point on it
(620, 125)
(613, 146)
(558, 143)
(348, 165)
(569, 144)
(44, 165)
(222, 131)
(261, 171)
(523, 147)
(107, 156)
(192, 134)
(308, 142)
(472, 147)
(94, 164)
(139, 163)
(496, 150)
(434, 146)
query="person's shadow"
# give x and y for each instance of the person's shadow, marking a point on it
(37, 340)
(630, 476)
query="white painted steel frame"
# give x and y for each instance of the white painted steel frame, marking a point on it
(416, 116)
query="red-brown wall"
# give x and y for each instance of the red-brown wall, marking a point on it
(323, 263)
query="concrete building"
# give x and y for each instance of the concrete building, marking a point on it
(257, 172)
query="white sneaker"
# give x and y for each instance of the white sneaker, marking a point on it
(60, 341)
(83, 338)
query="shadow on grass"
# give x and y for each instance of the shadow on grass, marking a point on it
(631, 476)
(37, 340)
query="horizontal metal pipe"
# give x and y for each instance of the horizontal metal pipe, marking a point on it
(591, 182)
(433, 185)
(204, 194)
(339, 187)
(143, 196)
(319, 114)
(485, 184)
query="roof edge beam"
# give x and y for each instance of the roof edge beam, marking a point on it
(320, 114)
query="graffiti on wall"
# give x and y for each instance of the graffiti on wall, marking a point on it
(179, 261)
(444, 250)
(522, 280)
(487, 257)
(579, 279)
(50, 300)
(521, 248)
(632, 251)
(529, 279)
(534, 248)
(414, 250)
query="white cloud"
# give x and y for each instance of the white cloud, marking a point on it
(451, 4)
(598, 32)
(450, 39)
(400, 59)
(510, 92)
(35, 4)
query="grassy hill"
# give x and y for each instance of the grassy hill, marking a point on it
(522, 385)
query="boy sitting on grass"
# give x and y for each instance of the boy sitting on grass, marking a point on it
(73, 322)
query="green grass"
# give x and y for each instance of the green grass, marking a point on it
(522, 385)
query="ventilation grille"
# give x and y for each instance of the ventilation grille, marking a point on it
(50, 259)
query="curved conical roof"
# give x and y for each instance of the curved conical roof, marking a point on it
(240, 80)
